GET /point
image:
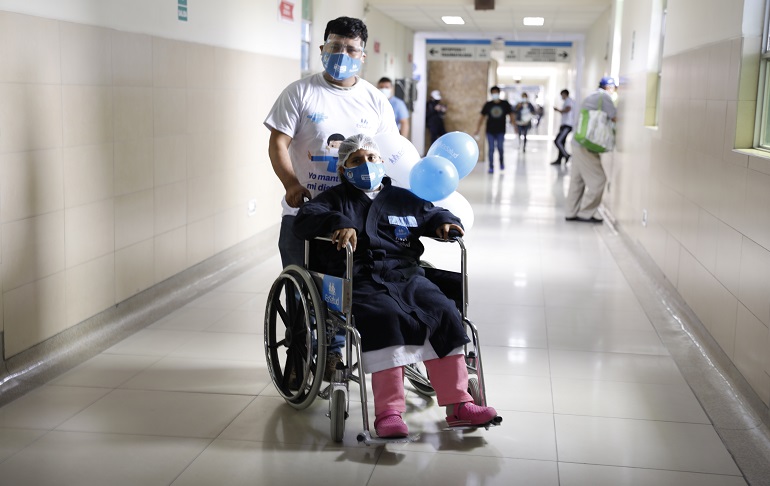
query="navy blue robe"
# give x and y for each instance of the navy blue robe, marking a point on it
(393, 302)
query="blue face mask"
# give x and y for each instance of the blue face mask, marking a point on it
(366, 176)
(340, 66)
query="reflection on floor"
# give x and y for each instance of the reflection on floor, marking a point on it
(589, 394)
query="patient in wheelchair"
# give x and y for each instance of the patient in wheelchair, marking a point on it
(402, 316)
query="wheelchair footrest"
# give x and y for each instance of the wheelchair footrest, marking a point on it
(492, 423)
(367, 439)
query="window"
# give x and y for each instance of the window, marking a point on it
(764, 86)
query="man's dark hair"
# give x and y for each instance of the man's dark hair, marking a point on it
(385, 80)
(493, 89)
(347, 27)
(565, 92)
(335, 137)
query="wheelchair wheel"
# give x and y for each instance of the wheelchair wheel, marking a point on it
(337, 414)
(295, 319)
(475, 390)
(419, 380)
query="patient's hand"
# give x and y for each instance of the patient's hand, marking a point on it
(342, 236)
(443, 230)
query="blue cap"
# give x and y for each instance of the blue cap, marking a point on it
(607, 81)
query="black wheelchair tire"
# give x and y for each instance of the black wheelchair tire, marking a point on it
(337, 414)
(294, 307)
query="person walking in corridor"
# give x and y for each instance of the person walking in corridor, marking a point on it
(588, 178)
(494, 112)
(567, 120)
(435, 111)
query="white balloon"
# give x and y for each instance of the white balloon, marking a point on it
(456, 204)
(399, 156)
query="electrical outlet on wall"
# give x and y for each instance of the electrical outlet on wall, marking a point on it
(251, 210)
(644, 218)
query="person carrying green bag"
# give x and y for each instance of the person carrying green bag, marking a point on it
(595, 133)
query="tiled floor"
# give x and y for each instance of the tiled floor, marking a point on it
(589, 394)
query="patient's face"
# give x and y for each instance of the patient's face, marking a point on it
(361, 156)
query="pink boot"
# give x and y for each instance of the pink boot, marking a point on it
(390, 425)
(469, 414)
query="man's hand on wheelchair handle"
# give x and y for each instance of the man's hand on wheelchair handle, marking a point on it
(344, 235)
(448, 230)
(296, 195)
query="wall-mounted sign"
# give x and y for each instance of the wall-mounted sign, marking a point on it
(285, 11)
(538, 51)
(181, 10)
(457, 49)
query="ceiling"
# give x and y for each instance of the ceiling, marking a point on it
(561, 16)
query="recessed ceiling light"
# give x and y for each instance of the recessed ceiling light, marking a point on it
(534, 21)
(453, 20)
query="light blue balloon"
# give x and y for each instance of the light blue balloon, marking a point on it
(459, 148)
(433, 178)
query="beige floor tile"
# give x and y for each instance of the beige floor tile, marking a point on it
(89, 459)
(231, 463)
(439, 469)
(48, 406)
(105, 370)
(591, 475)
(159, 413)
(674, 403)
(642, 444)
(202, 376)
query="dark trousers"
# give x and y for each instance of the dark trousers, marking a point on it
(559, 142)
(496, 139)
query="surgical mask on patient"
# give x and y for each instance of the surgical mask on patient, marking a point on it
(366, 176)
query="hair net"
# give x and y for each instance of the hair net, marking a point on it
(354, 143)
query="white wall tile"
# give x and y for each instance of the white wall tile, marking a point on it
(33, 312)
(728, 258)
(756, 217)
(169, 65)
(33, 248)
(90, 288)
(718, 75)
(89, 232)
(170, 253)
(88, 174)
(131, 59)
(170, 159)
(133, 113)
(31, 183)
(134, 269)
(170, 207)
(86, 54)
(200, 66)
(751, 353)
(708, 235)
(170, 111)
(133, 218)
(87, 115)
(29, 49)
(200, 240)
(30, 117)
(134, 165)
(754, 285)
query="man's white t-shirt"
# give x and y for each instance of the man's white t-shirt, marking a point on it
(312, 111)
(569, 117)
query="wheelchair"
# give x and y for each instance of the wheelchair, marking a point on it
(305, 309)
